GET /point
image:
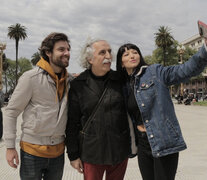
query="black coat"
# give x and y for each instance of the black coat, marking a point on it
(107, 139)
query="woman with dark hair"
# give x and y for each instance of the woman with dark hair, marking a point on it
(159, 137)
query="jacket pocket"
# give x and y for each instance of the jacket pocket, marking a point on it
(46, 121)
(89, 146)
(147, 92)
(146, 85)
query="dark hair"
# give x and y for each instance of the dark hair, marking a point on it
(49, 42)
(121, 51)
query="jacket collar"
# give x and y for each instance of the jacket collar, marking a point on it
(141, 70)
(85, 76)
(113, 75)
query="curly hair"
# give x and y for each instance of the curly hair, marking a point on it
(87, 52)
(49, 42)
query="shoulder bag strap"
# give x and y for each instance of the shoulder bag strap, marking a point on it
(95, 109)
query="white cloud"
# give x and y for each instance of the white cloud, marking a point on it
(117, 21)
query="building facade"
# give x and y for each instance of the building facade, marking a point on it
(198, 85)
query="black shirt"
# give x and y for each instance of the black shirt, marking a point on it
(132, 106)
(100, 80)
(58, 75)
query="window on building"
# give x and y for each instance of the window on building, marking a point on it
(199, 41)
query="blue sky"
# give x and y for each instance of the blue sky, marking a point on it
(117, 21)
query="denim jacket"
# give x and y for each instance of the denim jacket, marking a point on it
(155, 104)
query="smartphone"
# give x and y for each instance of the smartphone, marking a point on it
(202, 27)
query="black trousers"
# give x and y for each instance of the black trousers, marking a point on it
(151, 168)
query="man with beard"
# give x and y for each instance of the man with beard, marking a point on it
(96, 108)
(41, 94)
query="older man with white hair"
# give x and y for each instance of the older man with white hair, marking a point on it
(97, 132)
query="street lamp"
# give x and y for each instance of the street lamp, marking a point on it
(2, 48)
(181, 50)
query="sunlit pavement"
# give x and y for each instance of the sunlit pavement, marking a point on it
(192, 163)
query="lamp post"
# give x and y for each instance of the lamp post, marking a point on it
(181, 50)
(2, 48)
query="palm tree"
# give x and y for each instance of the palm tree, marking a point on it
(164, 39)
(17, 32)
(35, 58)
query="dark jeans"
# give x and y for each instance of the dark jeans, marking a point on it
(151, 168)
(37, 168)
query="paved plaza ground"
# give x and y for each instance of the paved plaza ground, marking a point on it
(192, 163)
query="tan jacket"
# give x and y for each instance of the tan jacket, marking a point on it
(44, 117)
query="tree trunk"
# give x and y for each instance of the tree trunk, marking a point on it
(164, 56)
(5, 79)
(17, 44)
